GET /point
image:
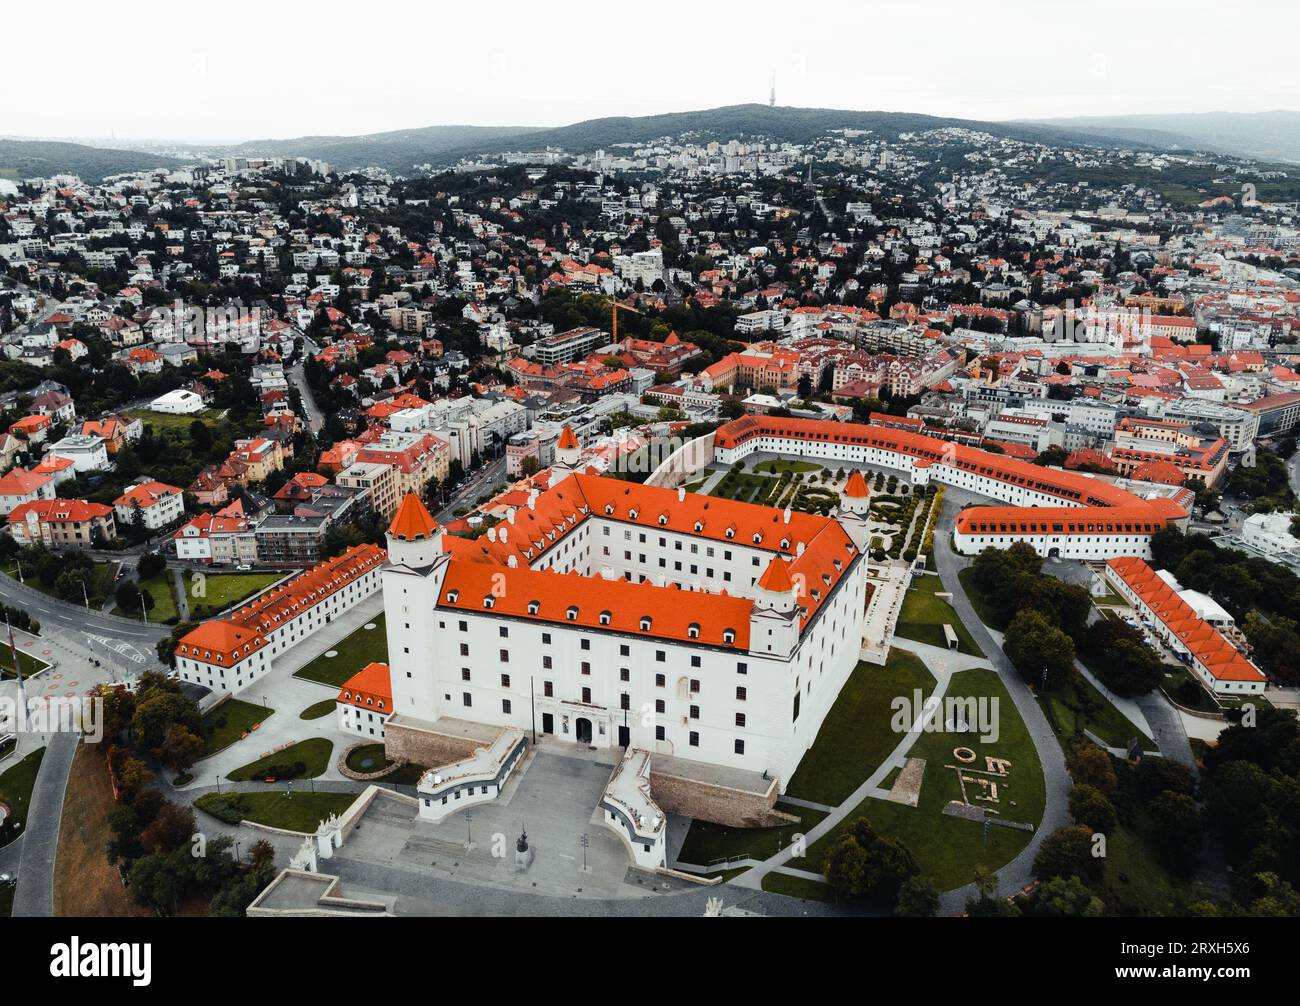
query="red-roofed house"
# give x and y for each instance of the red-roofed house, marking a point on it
(157, 503)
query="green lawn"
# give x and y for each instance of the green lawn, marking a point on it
(354, 652)
(16, 784)
(745, 487)
(30, 664)
(946, 848)
(1076, 705)
(707, 843)
(99, 585)
(371, 758)
(317, 709)
(798, 887)
(314, 754)
(977, 600)
(300, 811)
(1136, 883)
(924, 616)
(163, 592)
(221, 590)
(168, 421)
(856, 735)
(229, 722)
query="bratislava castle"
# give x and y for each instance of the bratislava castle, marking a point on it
(608, 613)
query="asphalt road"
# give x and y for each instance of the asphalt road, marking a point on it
(477, 484)
(75, 619)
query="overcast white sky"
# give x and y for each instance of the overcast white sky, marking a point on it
(249, 70)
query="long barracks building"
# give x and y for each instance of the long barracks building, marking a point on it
(1061, 513)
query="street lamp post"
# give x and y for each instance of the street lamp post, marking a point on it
(143, 610)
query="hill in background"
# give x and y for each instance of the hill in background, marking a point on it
(42, 158)
(1266, 135)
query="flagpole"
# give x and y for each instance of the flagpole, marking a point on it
(18, 671)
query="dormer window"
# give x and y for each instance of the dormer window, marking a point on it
(728, 635)
(632, 513)
(693, 630)
(571, 612)
(488, 600)
(785, 543)
(605, 617)
(663, 519)
(534, 607)
(609, 508)
(453, 596)
(699, 526)
(758, 537)
(730, 532)
(645, 623)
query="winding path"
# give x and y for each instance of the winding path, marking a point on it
(1019, 872)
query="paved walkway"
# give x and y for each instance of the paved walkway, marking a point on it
(870, 787)
(35, 893)
(1019, 872)
(288, 696)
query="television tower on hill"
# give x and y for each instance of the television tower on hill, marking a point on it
(771, 98)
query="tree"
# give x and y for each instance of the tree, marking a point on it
(1067, 897)
(157, 712)
(1089, 806)
(171, 829)
(1176, 831)
(1154, 776)
(917, 898)
(1068, 852)
(151, 564)
(181, 748)
(1089, 765)
(200, 437)
(1042, 653)
(986, 903)
(1122, 658)
(158, 880)
(862, 864)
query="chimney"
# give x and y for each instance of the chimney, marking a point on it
(681, 494)
(505, 534)
(510, 515)
(492, 534)
(787, 515)
(798, 549)
(512, 561)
